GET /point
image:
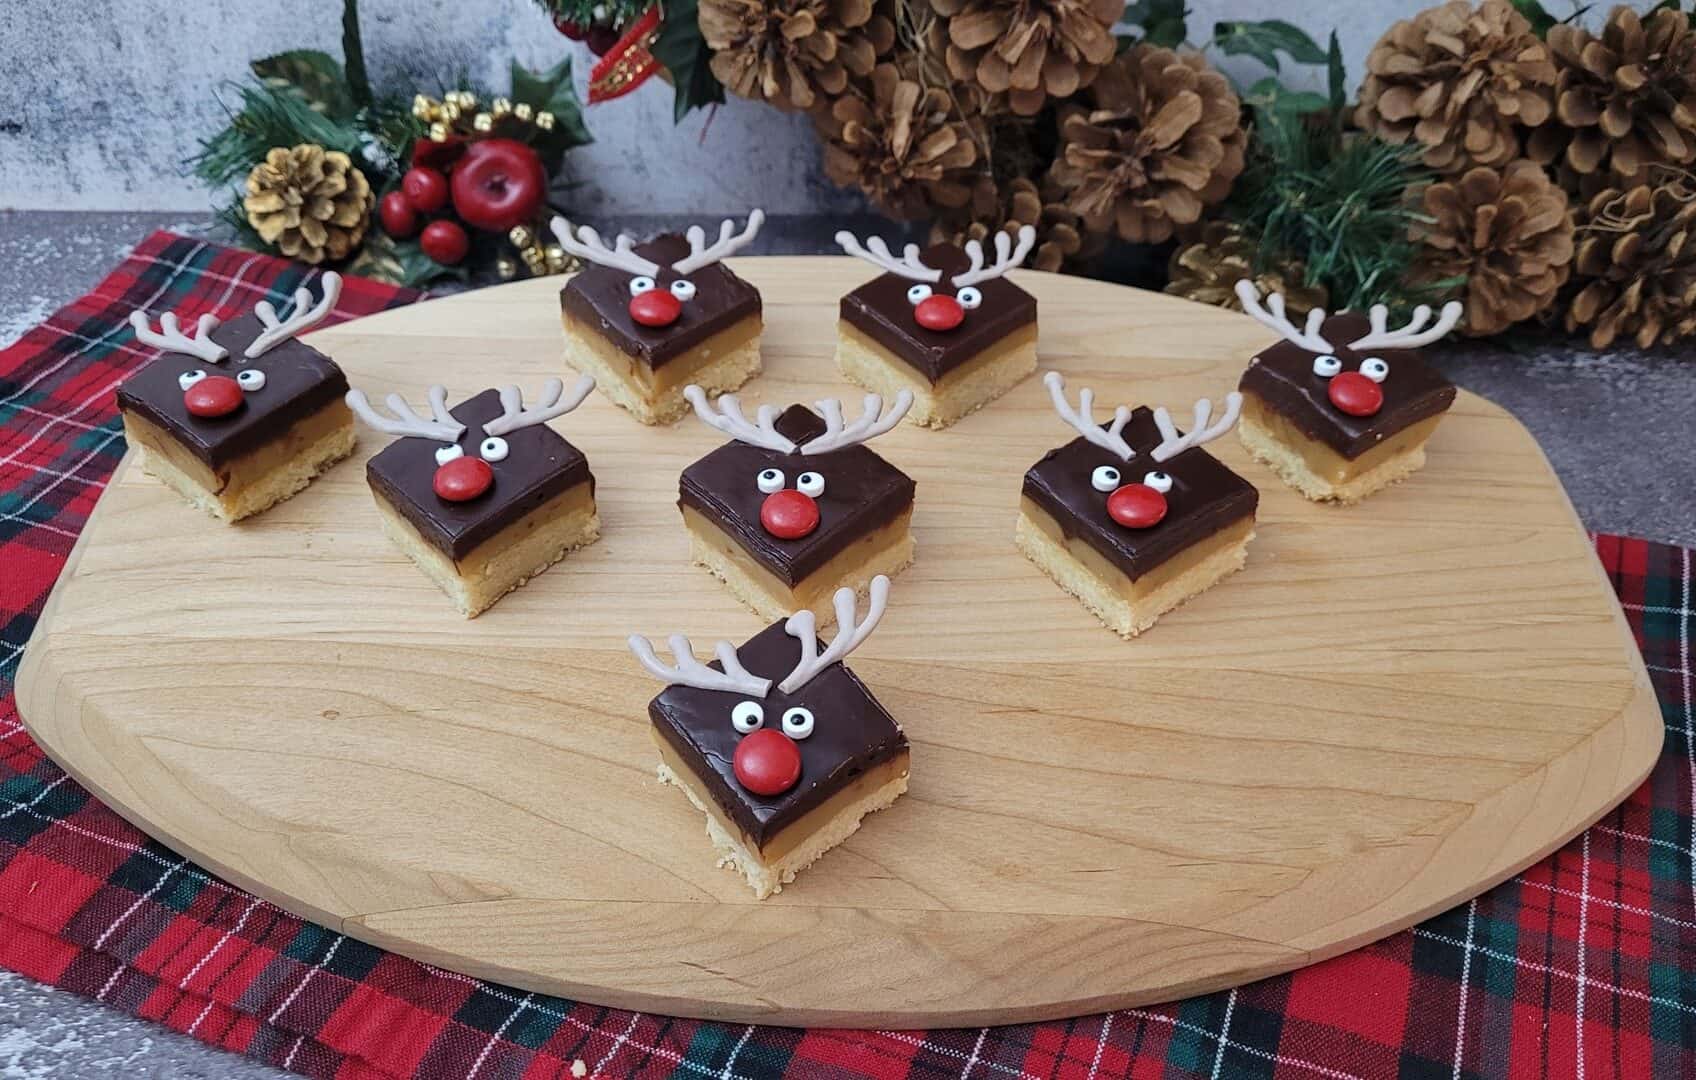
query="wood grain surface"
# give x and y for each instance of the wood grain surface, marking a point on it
(1393, 707)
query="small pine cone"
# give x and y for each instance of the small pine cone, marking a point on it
(1508, 232)
(310, 203)
(905, 145)
(1030, 50)
(1061, 243)
(792, 53)
(1208, 270)
(1625, 101)
(1637, 259)
(1160, 140)
(1461, 82)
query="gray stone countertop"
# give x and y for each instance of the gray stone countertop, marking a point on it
(1618, 427)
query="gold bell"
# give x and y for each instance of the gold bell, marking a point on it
(500, 106)
(483, 122)
(545, 120)
(523, 111)
(438, 132)
(555, 256)
(521, 236)
(506, 267)
(450, 112)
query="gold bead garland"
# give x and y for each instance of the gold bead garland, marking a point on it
(457, 113)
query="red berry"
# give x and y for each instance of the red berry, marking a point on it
(767, 762)
(400, 220)
(445, 242)
(426, 189)
(571, 29)
(1355, 394)
(656, 308)
(463, 479)
(939, 313)
(789, 514)
(602, 38)
(213, 396)
(1136, 506)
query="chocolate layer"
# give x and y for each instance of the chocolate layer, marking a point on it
(539, 465)
(851, 733)
(1205, 497)
(880, 310)
(862, 493)
(599, 297)
(1283, 378)
(299, 381)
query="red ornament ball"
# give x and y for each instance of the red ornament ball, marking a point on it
(939, 313)
(601, 38)
(1355, 394)
(1136, 506)
(656, 308)
(425, 189)
(789, 514)
(767, 762)
(213, 396)
(497, 184)
(445, 242)
(463, 479)
(399, 219)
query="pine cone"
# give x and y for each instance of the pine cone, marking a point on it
(1160, 140)
(1208, 270)
(311, 203)
(905, 145)
(1508, 232)
(1061, 243)
(1029, 49)
(1460, 82)
(1637, 258)
(1624, 101)
(790, 53)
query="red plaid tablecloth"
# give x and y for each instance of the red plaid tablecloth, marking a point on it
(1583, 965)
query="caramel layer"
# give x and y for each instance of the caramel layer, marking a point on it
(655, 395)
(961, 390)
(1325, 463)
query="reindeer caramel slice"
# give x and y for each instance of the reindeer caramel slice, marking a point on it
(779, 745)
(955, 333)
(238, 417)
(1343, 406)
(646, 320)
(797, 506)
(1134, 518)
(484, 496)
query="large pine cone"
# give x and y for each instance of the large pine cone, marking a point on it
(1208, 270)
(1061, 243)
(1637, 259)
(790, 53)
(1459, 81)
(310, 203)
(1029, 49)
(1625, 100)
(1508, 232)
(905, 145)
(1160, 140)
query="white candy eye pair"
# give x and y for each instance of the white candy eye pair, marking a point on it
(494, 448)
(969, 297)
(1106, 478)
(682, 288)
(749, 715)
(1375, 368)
(808, 483)
(247, 379)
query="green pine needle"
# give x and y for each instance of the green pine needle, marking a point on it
(268, 117)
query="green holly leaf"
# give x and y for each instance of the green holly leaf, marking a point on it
(400, 262)
(1265, 40)
(1536, 15)
(1162, 21)
(1273, 101)
(315, 77)
(683, 51)
(552, 91)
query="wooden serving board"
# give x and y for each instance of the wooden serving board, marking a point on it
(1393, 707)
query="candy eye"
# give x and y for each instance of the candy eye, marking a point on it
(810, 483)
(748, 716)
(445, 454)
(493, 448)
(1159, 481)
(1375, 368)
(189, 378)
(770, 480)
(1104, 478)
(918, 294)
(683, 290)
(969, 297)
(251, 379)
(798, 723)
(640, 285)
(1325, 365)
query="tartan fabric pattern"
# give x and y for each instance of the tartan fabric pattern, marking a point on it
(1583, 965)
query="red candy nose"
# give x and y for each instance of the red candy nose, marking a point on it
(656, 307)
(767, 762)
(1136, 506)
(939, 313)
(789, 514)
(215, 395)
(463, 479)
(1355, 394)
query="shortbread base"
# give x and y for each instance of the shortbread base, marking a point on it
(1127, 606)
(1319, 472)
(718, 365)
(967, 388)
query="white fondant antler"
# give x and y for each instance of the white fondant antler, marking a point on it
(405, 422)
(587, 244)
(172, 338)
(1173, 444)
(849, 634)
(304, 317)
(729, 243)
(1309, 338)
(1409, 336)
(1083, 422)
(553, 402)
(909, 265)
(689, 671)
(1006, 257)
(873, 422)
(728, 418)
